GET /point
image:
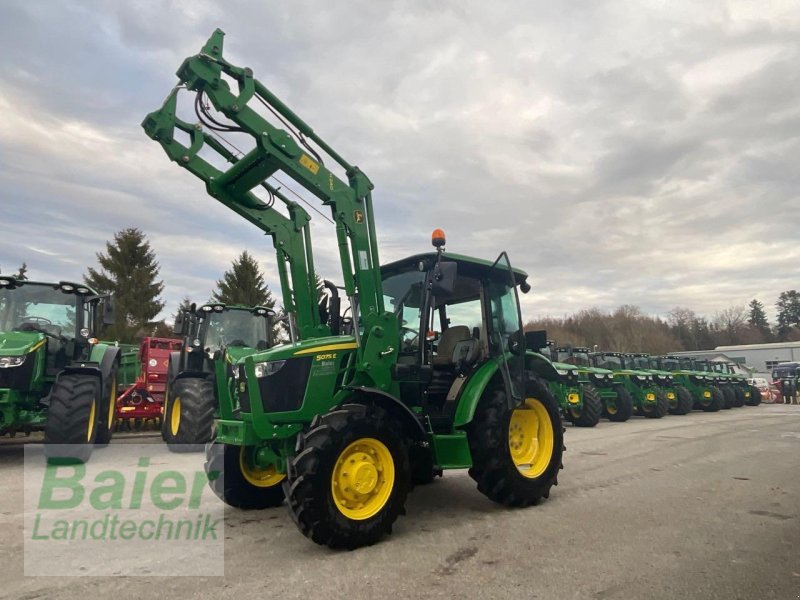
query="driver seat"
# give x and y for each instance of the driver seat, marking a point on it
(451, 337)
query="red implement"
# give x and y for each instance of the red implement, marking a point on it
(145, 398)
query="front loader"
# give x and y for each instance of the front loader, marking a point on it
(54, 374)
(436, 374)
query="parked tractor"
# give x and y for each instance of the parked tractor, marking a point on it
(199, 377)
(436, 374)
(680, 399)
(143, 400)
(616, 403)
(706, 395)
(746, 394)
(54, 375)
(579, 401)
(648, 400)
(786, 377)
(721, 382)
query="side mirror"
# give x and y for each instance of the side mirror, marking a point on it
(109, 317)
(536, 339)
(444, 279)
(179, 327)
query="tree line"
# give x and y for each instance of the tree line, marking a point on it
(129, 270)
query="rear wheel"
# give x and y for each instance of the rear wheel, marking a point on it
(189, 415)
(516, 454)
(755, 396)
(349, 480)
(620, 408)
(73, 419)
(684, 401)
(590, 411)
(739, 395)
(237, 481)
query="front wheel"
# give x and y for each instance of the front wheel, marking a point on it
(740, 397)
(236, 480)
(72, 419)
(189, 415)
(591, 408)
(108, 409)
(755, 396)
(516, 454)
(659, 409)
(715, 402)
(729, 398)
(349, 480)
(619, 409)
(684, 402)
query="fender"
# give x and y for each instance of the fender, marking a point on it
(472, 392)
(396, 408)
(539, 364)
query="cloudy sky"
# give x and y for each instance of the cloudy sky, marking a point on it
(642, 153)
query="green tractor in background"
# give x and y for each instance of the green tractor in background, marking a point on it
(721, 382)
(199, 378)
(706, 395)
(54, 375)
(616, 403)
(647, 398)
(680, 398)
(746, 394)
(579, 401)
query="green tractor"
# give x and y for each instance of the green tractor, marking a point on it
(722, 382)
(435, 375)
(647, 398)
(216, 336)
(54, 374)
(579, 401)
(746, 394)
(706, 395)
(680, 399)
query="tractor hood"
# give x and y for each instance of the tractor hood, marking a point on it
(328, 344)
(234, 354)
(17, 343)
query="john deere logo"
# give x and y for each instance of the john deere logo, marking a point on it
(358, 216)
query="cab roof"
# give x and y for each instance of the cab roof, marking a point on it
(467, 265)
(53, 284)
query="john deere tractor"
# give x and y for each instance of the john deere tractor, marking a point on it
(721, 382)
(436, 374)
(199, 378)
(616, 403)
(680, 399)
(579, 401)
(54, 375)
(648, 400)
(745, 393)
(705, 393)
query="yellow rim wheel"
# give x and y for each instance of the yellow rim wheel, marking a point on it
(90, 428)
(363, 479)
(531, 438)
(175, 417)
(112, 402)
(611, 409)
(257, 476)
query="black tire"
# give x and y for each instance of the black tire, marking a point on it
(228, 481)
(684, 401)
(623, 406)
(72, 419)
(108, 409)
(192, 427)
(659, 409)
(729, 397)
(493, 466)
(309, 486)
(716, 401)
(755, 396)
(739, 394)
(591, 408)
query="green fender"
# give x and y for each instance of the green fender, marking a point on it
(473, 390)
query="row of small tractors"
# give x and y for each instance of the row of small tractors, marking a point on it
(426, 367)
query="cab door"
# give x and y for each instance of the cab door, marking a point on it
(504, 328)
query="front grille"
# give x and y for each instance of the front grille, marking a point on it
(18, 378)
(284, 391)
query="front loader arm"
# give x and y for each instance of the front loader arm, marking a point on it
(291, 236)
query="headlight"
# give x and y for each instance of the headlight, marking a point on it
(562, 371)
(641, 378)
(11, 361)
(84, 333)
(265, 369)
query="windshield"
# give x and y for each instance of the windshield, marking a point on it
(574, 357)
(37, 307)
(670, 364)
(609, 361)
(641, 362)
(236, 328)
(402, 294)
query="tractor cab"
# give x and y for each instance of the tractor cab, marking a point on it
(217, 330)
(454, 313)
(613, 361)
(640, 361)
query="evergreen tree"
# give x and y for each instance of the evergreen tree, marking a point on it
(22, 272)
(244, 284)
(788, 306)
(757, 319)
(129, 271)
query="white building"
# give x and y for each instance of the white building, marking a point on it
(758, 357)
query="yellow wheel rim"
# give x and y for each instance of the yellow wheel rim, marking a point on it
(112, 402)
(175, 417)
(611, 409)
(257, 476)
(92, 414)
(531, 438)
(363, 479)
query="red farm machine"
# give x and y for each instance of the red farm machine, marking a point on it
(143, 399)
